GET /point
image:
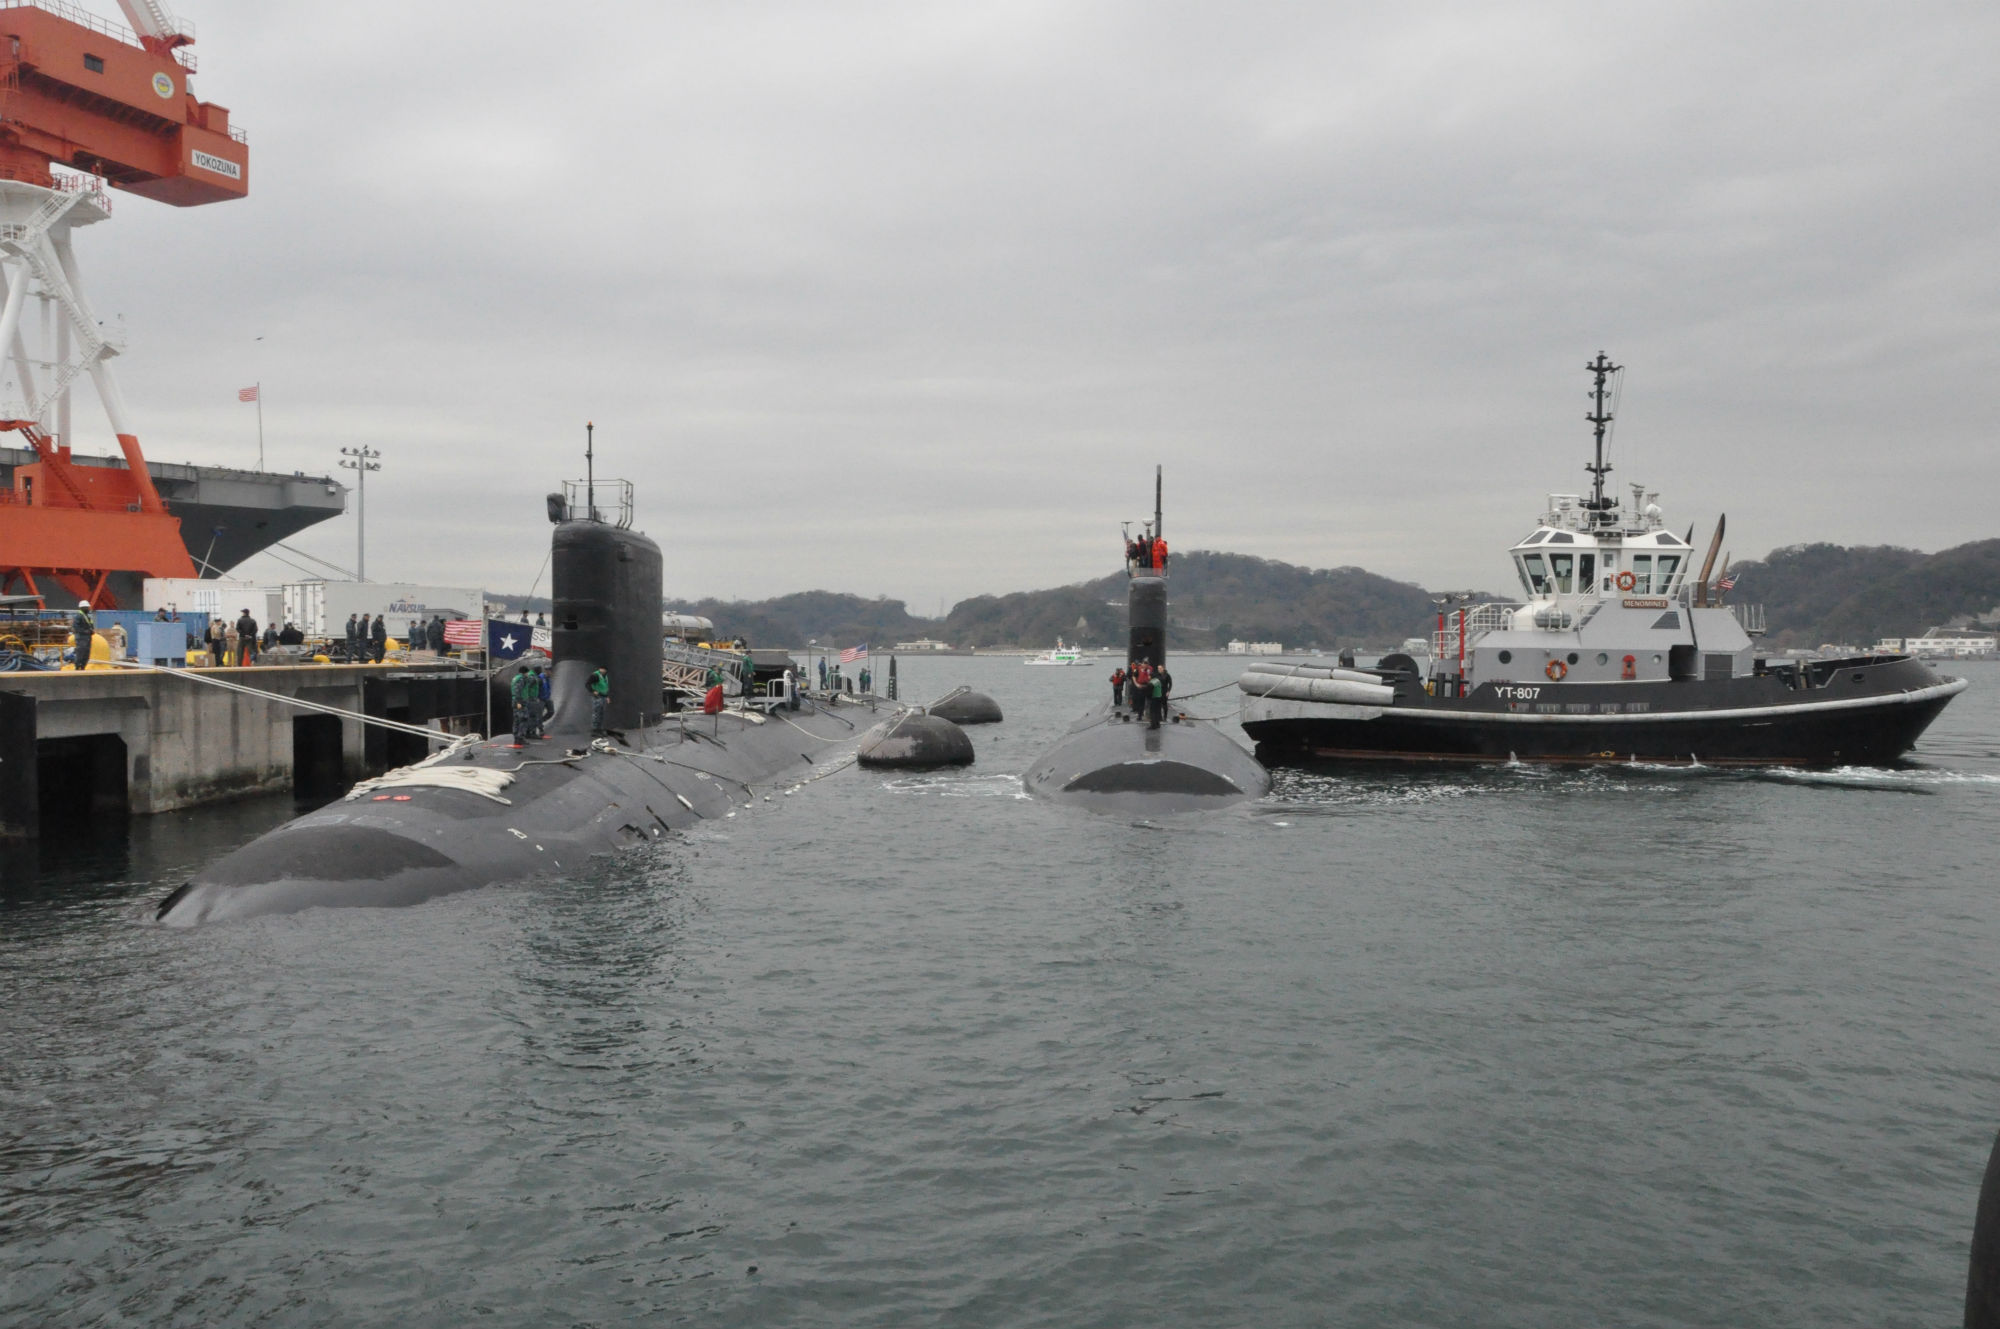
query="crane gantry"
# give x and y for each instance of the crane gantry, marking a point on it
(84, 104)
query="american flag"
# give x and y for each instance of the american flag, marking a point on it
(247, 394)
(853, 653)
(463, 632)
(1728, 582)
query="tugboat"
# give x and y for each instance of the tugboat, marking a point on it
(1621, 651)
(1123, 759)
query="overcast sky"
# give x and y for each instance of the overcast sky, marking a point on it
(909, 299)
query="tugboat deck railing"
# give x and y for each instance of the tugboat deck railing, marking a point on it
(1751, 617)
(1477, 620)
(1480, 619)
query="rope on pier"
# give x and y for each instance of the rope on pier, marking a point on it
(451, 740)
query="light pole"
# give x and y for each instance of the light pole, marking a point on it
(362, 460)
(1461, 597)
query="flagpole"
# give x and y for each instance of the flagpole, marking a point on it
(486, 666)
(260, 424)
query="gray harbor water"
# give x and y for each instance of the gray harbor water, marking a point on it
(1501, 1046)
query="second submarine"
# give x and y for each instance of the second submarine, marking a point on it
(1159, 759)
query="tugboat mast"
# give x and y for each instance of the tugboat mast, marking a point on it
(1601, 369)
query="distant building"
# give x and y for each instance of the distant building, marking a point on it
(922, 644)
(1940, 644)
(1256, 648)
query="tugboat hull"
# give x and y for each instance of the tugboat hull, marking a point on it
(1867, 714)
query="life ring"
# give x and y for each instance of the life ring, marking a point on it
(1626, 581)
(1556, 670)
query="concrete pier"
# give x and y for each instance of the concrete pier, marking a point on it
(138, 742)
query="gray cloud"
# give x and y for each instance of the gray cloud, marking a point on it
(908, 299)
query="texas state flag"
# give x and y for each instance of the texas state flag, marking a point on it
(506, 641)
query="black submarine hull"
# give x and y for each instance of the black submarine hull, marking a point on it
(491, 811)
(522, 813)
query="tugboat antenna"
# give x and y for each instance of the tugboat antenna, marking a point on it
(1601, 370)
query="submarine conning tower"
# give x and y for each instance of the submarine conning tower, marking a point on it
(606, 585)
(1146, 596)
(1146, 607)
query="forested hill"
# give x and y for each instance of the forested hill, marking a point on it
(828, 617)
(1811, 594)
(1215, 597)
(1833, 593)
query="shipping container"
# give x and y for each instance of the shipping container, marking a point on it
(321, 608)
(218, 597)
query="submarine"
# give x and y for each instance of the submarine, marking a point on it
(486, 811)
(1116, 760)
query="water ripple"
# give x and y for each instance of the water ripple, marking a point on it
(1519, 1045)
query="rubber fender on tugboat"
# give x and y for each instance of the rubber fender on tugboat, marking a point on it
(1313, 671)
(1337, 690)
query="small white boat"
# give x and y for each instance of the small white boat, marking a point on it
(1061, 655)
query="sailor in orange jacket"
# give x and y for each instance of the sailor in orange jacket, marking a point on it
(1117, 686)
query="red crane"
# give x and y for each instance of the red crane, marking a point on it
(107, 106)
